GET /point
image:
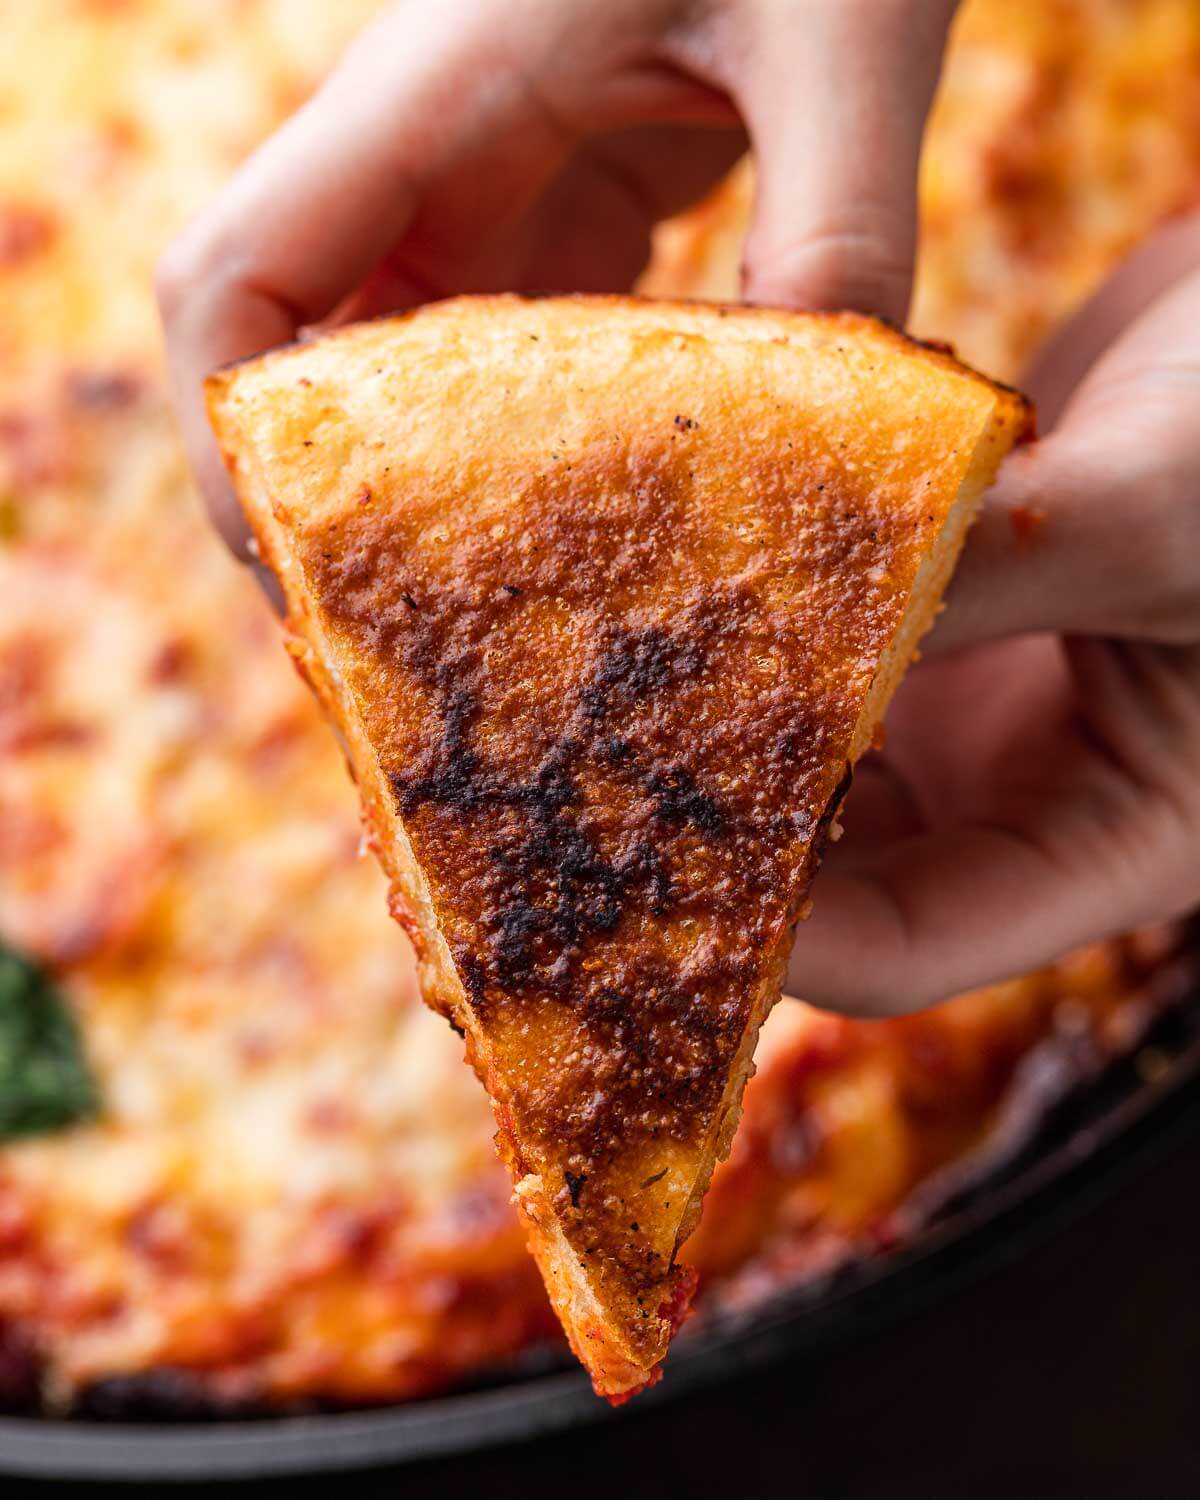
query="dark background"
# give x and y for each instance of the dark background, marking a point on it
(1074, 1372)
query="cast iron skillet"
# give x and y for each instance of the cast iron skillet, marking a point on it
(1087, 1146)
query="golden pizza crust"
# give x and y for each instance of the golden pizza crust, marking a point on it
(606, 597)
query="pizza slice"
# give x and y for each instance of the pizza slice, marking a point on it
(606, 597)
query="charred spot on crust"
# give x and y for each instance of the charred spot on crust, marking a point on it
(575, 1183)
(657, 1060)
(552, 884)
(470, 971)
(645, 866)
(637, 664)
(677, 799)
(580, 893)
(455, 778)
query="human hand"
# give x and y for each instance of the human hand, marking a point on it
(475, 145)
(1040, 785)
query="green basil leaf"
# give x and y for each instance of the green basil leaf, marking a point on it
(45, 1084)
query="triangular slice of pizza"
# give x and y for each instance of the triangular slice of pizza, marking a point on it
(606, 597)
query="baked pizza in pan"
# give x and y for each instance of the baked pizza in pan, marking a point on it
(241, 1164)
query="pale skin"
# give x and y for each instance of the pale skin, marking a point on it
(1040, 784)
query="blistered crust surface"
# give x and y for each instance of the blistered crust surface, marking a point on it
(608, 586)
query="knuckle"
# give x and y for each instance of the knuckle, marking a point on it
(831, 268)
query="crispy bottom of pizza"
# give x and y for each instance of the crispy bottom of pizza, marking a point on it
(606, 597)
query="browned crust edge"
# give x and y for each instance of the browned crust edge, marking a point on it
(936, 350)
